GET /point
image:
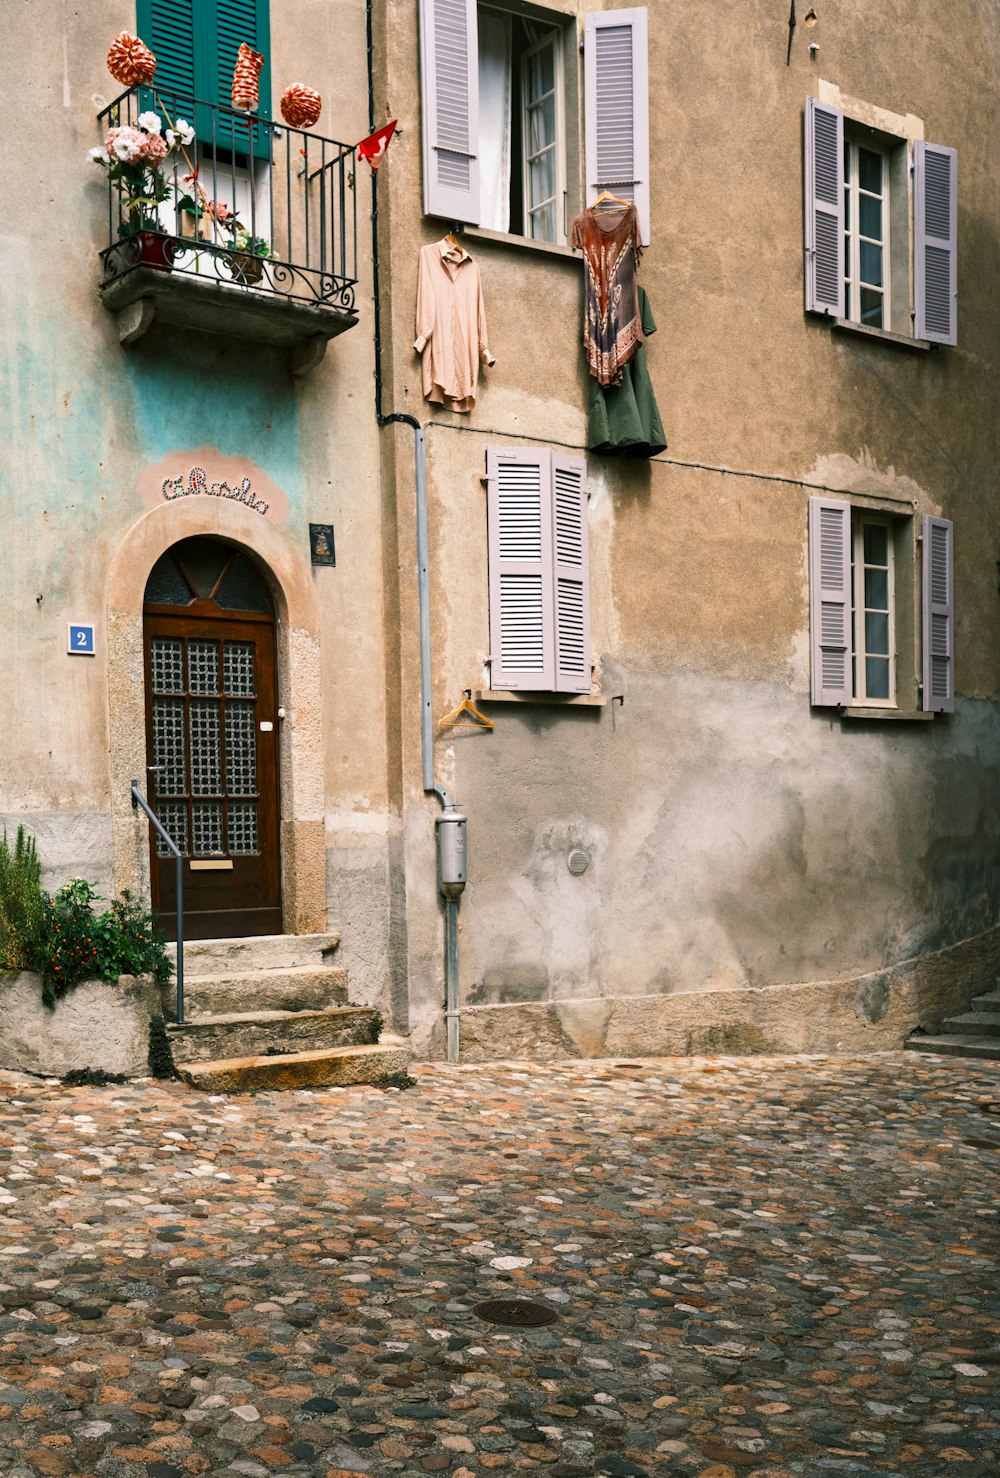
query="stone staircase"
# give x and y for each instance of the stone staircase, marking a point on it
(976, 1033)
(271, 1012)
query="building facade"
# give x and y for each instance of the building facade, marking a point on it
(740, 792)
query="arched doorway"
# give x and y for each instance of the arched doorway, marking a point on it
(211, 740)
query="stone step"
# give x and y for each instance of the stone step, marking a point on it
(332, 1067)
(255, 952)
(974, 1024)
(957, 1046)
(301, 988)
(989, 1002)
(271, 1033)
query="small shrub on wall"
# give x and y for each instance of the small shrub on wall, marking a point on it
(75, 943)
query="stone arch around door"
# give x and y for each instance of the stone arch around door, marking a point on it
(289, 579)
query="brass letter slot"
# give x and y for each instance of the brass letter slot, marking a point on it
(211, 866)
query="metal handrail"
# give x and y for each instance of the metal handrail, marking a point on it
(138, 799)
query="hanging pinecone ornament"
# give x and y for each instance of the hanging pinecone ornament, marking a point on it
(300, 106)
(246, 76)
(130, 61)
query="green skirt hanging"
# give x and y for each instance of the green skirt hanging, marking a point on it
(624, 420)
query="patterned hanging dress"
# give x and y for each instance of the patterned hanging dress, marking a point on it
(612, 327)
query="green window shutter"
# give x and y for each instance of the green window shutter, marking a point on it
(195, 44)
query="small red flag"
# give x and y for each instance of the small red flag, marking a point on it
(373, 148)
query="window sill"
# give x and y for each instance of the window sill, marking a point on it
(848, 326)
(519, 243)
(559, 700)
(894, 715)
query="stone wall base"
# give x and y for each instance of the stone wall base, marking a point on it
(864, 1014)
(96, 1025)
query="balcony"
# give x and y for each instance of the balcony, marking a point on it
(245, 228)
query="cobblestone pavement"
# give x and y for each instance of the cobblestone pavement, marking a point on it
(759, 1267)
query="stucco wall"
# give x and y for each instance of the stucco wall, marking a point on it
(739, 839)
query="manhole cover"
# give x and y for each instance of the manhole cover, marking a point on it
(516, 1313)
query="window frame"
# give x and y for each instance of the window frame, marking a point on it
(559, 198)
(862, 519)
(854, 236)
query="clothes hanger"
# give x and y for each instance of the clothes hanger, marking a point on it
(607, 195)
(453, 240)
(476, 720)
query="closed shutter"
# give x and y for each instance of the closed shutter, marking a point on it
(572, 595)
(938, 615)
(195, 44)
(616, 93)
(449, 70)
(830, 602)
(519, 516)
(935, 242)
(824, 208)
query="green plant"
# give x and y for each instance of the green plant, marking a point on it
(75, 943)
(161, 1058)
(22, 902)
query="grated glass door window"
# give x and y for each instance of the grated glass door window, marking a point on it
(866, 233)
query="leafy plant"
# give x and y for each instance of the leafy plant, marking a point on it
(74, 943)
(22, 902)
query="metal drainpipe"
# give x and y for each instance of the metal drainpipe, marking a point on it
(430, 785)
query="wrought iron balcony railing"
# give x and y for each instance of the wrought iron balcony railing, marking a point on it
(248, 202)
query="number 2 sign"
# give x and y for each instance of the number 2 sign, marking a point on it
(80, 640)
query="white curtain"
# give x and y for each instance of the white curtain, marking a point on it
(494, 119)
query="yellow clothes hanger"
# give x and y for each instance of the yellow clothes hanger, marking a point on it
(475, 720)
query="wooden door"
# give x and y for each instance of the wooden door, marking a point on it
(212, 744)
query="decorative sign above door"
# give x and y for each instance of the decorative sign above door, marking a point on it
(196, 483)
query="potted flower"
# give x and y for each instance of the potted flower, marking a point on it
(133, 155)
(248, 253)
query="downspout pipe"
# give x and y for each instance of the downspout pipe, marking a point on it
(430, 785)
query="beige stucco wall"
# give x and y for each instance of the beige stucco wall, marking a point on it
(738, 839)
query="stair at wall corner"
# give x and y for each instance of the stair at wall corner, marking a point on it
(271, 1012)
(976, 1033)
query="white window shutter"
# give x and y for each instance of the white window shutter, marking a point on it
(519, 519)
(935, 242)
(938, 615)
(824, 208)
(616, 99)
(449, 69)
(572, 574)
(830, 602)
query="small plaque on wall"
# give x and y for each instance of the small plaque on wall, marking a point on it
(321, 544)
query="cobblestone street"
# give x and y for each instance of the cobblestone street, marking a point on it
(757, 1267)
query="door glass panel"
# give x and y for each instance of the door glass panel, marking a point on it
(237, 669)
(203, 667)
(243, 589)
(870, 217)
(173, 815)
(877, 590)
(877, 677)
(168, 747)
(166, 585)
(242, 826)
(541, 72)
(167, 665)
(877, 633)
(207, 816)
(206, 747)
(543, 177)
(871, 264)
(876, 544)
(543, 223)
(241, 749)
(870, 171)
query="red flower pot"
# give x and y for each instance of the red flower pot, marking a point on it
(157, 250)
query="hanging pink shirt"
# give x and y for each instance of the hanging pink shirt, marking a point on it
(451, 325)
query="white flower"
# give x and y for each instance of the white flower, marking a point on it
(186, 131)
(100, 156)
(150, 122)
(125, 148)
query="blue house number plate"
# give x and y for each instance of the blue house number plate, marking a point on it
(80, 640)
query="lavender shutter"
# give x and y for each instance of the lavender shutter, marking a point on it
(616, 93)
(935, 242)
(824, 208)
(449, 70)
(571, 585)
(938, 615)
(519, 518)
(830, 602)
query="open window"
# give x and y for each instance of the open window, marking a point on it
(881, 609)
(875, 201)
(502, 112)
